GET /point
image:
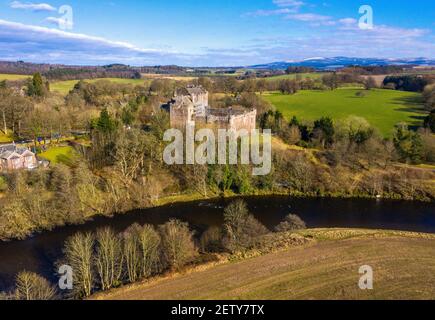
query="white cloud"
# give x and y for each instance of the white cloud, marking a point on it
(61, 23)
(348, 21)
(266, 13)
(288, 3)
(32, 6)
(308, 17)
(34, 43)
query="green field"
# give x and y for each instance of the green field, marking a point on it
(383, 109)
(12, 77)
(403, 266)
(5, 138)
(65, 155)
(315, 75)
(64, 87)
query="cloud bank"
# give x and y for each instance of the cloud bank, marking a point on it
(32, 6)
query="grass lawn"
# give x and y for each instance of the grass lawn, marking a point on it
(65, 155)
(64, 87)
(314, 75)
(382, 108)
(403, 266)
(5, 138)
(13, 77)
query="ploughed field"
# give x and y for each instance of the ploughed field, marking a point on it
(327, 268)
(383, 109)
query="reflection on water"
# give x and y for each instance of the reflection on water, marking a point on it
(39, 253)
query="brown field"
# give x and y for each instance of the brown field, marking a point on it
(403, 264)
(152, 76)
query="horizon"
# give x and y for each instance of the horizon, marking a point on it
(290, 62)
(221, 33)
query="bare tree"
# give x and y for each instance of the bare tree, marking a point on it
(132, 254)
(30, 286)
(108, 259)
(291, 222)
(240, 228)
(79, 251)
(149, 241)
(177, 242)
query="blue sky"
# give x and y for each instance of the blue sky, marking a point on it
(212, 32)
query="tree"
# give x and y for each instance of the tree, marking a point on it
(409, 144)
(30, 286)
(105, 123)
(261, 85)
(240, 228)
(132, 253)
(108, 258)
(211, 240)
(150, 245)
(330, 81)
(324, 131)
(79, 250)
(36, 87)
(288, 86)
(370, 83)
(429, 96)
(429, 121)
(130, 150)
(291, 222)
(177, 243)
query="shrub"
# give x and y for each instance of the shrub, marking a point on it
(211, 240)
(177, 243)
(240, 228)
(292, 222)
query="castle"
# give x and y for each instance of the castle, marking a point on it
(190, 107)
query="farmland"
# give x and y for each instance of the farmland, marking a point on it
(64, 87)
(403, 265)
(293, 76)
(13, 77)
(383, 109)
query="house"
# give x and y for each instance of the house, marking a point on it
(13, 157)
(190, 106)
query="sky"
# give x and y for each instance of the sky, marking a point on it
(212, 32)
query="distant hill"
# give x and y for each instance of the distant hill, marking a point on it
(340, 62)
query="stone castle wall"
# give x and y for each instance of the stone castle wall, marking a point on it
(194, 109)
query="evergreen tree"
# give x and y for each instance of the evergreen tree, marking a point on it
(429, 122)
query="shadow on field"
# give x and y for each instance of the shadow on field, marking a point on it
(414, 105)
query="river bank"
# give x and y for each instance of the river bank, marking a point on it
(292, 272)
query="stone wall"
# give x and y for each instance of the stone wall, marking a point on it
(247, 121)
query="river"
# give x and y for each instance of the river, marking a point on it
(40, 252)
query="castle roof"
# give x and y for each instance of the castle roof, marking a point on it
(190, 91)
